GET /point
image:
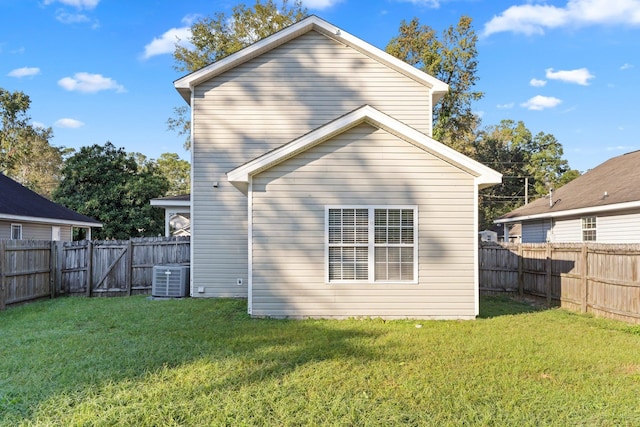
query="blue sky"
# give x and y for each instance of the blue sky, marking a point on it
(102, 70)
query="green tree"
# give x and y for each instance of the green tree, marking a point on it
(108, 184)
(215, 37)
(524, 160)
(453, 60)
(25, 153)
(177, 171)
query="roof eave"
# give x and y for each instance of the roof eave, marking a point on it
(53, 221)
(185, 84)
(572, 212)
(483, 175)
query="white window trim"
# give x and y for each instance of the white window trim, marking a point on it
(19, 227)
(371, 244)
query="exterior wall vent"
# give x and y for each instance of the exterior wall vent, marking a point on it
(170, 281)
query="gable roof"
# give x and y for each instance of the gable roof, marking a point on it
(186, 83)
(612, 185)
(484, 176)
(21, 204)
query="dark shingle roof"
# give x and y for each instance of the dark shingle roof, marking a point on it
(18, 200)
(618, 178)
(178, 198)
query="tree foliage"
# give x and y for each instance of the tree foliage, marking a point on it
(114, 187)
(534, 162)
(452, 58)
(220, 35)
(177, 172)
(25, 153)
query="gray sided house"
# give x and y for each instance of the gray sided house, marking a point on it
(26, 215)
(602, 205)
(317, 190)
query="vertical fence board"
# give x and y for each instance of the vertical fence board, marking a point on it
(603, 279)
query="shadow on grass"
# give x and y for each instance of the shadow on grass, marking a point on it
(65, 345)
(503, 306)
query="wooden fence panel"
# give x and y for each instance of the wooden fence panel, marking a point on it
(597, 278)
(26, 270)
(117, 267)
(38, 269)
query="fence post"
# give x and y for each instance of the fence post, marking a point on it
(89, 267)
(520, 271)
(548, 275)
(3, 289)
(52, 269)
(129, 264)
(583, 278)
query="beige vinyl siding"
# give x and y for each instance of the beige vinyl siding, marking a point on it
(263, 104)
(363, 166)
(34, 231)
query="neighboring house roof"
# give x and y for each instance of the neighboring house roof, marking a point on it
(484, 176)
(180, 200)
(18, 203)
(186, 83)
(610, 186)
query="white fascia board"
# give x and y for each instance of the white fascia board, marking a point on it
(185, 84)
(52, 221)
(483, 175)
(573, 212)
(170, 203)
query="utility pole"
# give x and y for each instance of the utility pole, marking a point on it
(526, 190)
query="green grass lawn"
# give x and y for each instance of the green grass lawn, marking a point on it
(137, 362)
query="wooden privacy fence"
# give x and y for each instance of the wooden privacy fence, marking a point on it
(36, 269)
(603, 279)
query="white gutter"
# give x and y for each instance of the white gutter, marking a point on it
(572, 212)
(20, 218)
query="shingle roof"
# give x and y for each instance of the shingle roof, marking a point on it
(17, 200)
(613, 182)
(178, 198)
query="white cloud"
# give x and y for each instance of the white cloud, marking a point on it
(626, 148)
(71, 18)
(69, 123)
(537, 83)
(38, 125)
(167, 42)
(78, 4)
(320, 4)
(90, 83)
(536, 18)
(540, 102)
(24, 72)
(626, 67)
(579, 76)
(505, 106)
(429, 3)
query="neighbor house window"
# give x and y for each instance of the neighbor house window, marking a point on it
(371, 244)
(16, 231)
(589, 229)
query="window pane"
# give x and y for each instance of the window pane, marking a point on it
(393, 218)
(393, 234)
(407, 235)
(407, 218)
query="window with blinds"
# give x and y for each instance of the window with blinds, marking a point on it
(374, 244)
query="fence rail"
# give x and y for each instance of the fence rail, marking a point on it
(32, 269)
(603, 279)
